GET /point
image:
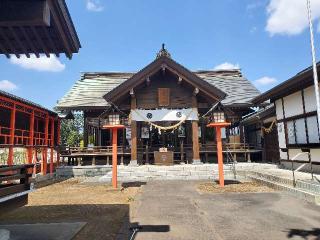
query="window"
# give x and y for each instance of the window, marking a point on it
(312, 125)
(290, 132)
(163, 97)
(300, 130)
(296, 131)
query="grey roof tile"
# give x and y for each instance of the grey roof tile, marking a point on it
(90, 89)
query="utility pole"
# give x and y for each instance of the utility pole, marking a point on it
(314, 65)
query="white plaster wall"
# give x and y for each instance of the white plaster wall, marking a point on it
(293, 152)
(315, 155)
(310, 99)
(279, 110)
(293, 104)
(281, 135)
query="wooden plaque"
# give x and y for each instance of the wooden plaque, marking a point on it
(164, 97)
(163, 158)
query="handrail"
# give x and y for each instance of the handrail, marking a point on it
(299, 168)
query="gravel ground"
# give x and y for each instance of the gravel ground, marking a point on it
(233, 186)
(103, 208)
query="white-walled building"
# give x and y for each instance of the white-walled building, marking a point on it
(296, 114)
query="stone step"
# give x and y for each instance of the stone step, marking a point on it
(298, 192)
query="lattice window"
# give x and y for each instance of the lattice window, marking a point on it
(164, 97)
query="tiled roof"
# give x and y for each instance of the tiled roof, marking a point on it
(88, 92)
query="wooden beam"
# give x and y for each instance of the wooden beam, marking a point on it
(22, 46)
(40, 41)
(179, 80)
(45, 150)
(24, 12)
(60, 29)
(148, 81)
(30, 42)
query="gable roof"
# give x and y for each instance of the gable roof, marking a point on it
(174, 67)
(88, 92)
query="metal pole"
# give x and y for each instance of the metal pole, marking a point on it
(315, 74)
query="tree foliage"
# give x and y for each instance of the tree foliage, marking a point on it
(72, 130)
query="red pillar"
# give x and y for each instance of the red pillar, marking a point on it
(12, 133)
(58, 141)
(45, 150)
(114, 158)
(31, 136)
(51, 145)
(220, 156)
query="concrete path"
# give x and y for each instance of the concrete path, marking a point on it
(176, 210)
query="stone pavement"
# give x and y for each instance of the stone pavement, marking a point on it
(176, 210)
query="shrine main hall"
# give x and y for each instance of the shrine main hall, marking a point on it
(164, 107)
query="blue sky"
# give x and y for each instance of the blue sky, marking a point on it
(259, 36)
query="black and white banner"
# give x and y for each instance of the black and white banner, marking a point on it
(160, 115)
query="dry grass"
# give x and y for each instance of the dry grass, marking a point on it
(103, 208)
(233, 187)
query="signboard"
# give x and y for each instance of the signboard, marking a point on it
(128, 133)
(181, 131)
(145, 132)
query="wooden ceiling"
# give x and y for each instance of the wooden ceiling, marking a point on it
(37, 27)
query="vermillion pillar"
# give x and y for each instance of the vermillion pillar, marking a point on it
(51, 145)
(114, 130)
(218, 127)
(31, 137)
(58, 141)
(45, 150)
(12, 131)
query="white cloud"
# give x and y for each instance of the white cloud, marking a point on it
(94, 6)
(290, 17)
(265, 81)
(7, 85)
(226, 66)
(42, 64)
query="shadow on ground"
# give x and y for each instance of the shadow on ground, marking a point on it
(103, 221)
(305, 234)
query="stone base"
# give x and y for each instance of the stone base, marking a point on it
(196, 162)
(133, 163)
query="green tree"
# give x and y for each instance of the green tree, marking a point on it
(72, 130)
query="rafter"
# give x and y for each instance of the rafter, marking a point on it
(40, 41)
(51, 42)
(9, 43)
(60, 29)
(30, 42)
(16, 37)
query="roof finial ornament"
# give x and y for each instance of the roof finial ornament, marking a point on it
(163, 52)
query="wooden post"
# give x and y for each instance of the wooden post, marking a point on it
(51, 145)
(220, 156)
(147, 153)
(134, 143)
(45, 150)
(114, 158)
(12, 133)
(195, 143)
(31, 137)
(134, 158)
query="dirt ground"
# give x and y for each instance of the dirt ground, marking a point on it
(233, 186)
(103, 208)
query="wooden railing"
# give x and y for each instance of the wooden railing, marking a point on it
(15, 179)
